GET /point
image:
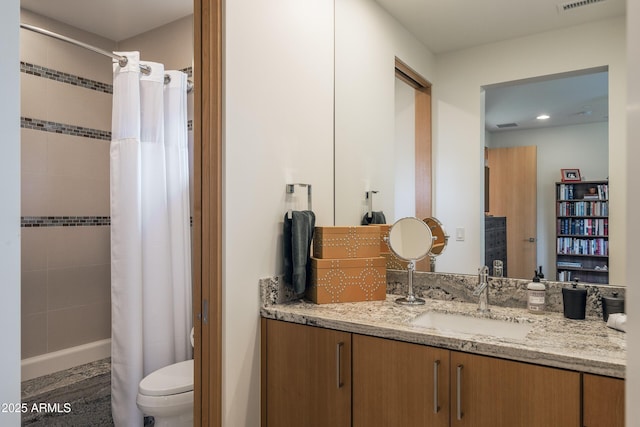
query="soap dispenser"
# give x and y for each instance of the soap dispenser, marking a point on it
(536, 294)
(574, 301)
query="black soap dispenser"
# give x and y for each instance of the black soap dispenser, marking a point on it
(574, 301)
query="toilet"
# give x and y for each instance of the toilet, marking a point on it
(167, 394)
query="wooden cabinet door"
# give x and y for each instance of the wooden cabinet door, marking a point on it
(308, 376)
(399, 384)
(602, 401)
(501, 393)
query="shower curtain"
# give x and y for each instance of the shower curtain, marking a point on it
(150, 230)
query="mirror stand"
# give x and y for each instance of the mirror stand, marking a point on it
(410, 299)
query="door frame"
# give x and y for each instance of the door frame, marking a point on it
(207, 214)
(423, 165)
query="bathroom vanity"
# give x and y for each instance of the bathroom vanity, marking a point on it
(374, 364)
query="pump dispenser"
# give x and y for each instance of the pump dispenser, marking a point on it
(536, 292)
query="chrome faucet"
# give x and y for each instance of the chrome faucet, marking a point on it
(482, 290)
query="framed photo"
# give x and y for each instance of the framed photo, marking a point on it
(570, 175)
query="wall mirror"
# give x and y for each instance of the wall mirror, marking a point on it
(364, 89)
(523, 160)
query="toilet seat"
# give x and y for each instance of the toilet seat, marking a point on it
(170, 380)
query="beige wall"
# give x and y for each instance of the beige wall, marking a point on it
(65, 269)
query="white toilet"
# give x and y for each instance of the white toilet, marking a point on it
(167, 395)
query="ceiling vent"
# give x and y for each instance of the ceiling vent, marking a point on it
(507, 125)
(572, 5)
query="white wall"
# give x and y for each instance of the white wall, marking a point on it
(582, 146)
(367, 42)
(459, 130)
(10, 212)
(278, 130)
(632, 227)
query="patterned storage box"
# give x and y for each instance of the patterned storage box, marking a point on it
(347, 280)
(346, 242)
(393, 262)
(384, 233)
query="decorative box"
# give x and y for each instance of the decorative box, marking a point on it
(346, 242)
(347, 280)
(393, 262)
(384, 233)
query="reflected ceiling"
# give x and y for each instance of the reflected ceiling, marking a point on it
(569, 100)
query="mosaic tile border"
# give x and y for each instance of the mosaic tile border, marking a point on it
(64, 221)
(68, 221)
(59, 76)
(47, 126)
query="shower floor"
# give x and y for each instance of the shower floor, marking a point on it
(80, 396)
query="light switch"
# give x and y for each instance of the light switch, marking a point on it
(460, 234)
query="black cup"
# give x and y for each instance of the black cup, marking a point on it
(574, 301)
(612, 305)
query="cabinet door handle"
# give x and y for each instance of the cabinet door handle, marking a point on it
(339, 382)
(436, 407)
(459, 413)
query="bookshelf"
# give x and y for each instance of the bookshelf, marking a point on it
(582, 231)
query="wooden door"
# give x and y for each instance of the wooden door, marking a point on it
(603, 401)
(502, 393)
(307, 375)
(399, 384)
(512, 194)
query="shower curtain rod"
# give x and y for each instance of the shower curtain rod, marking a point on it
(122, 60)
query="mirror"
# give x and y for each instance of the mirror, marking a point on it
(365, 122)
(538, 154)
(440, 240)
(410, 239)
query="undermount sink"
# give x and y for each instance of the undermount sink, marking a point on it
(472, 325)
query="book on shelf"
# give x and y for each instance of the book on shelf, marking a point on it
(569, 264)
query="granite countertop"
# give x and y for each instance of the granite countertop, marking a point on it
(579, 345)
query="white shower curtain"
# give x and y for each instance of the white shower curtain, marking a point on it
(150, 230)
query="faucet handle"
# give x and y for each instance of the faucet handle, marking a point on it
(483, 273)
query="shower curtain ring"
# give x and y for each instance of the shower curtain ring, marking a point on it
(123, 61)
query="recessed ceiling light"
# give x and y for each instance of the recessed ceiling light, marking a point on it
(543, 117)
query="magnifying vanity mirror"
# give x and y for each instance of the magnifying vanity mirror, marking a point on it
(410, 239)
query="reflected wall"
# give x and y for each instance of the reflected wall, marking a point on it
(459, 125)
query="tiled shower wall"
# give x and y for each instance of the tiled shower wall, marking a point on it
(65, 136)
